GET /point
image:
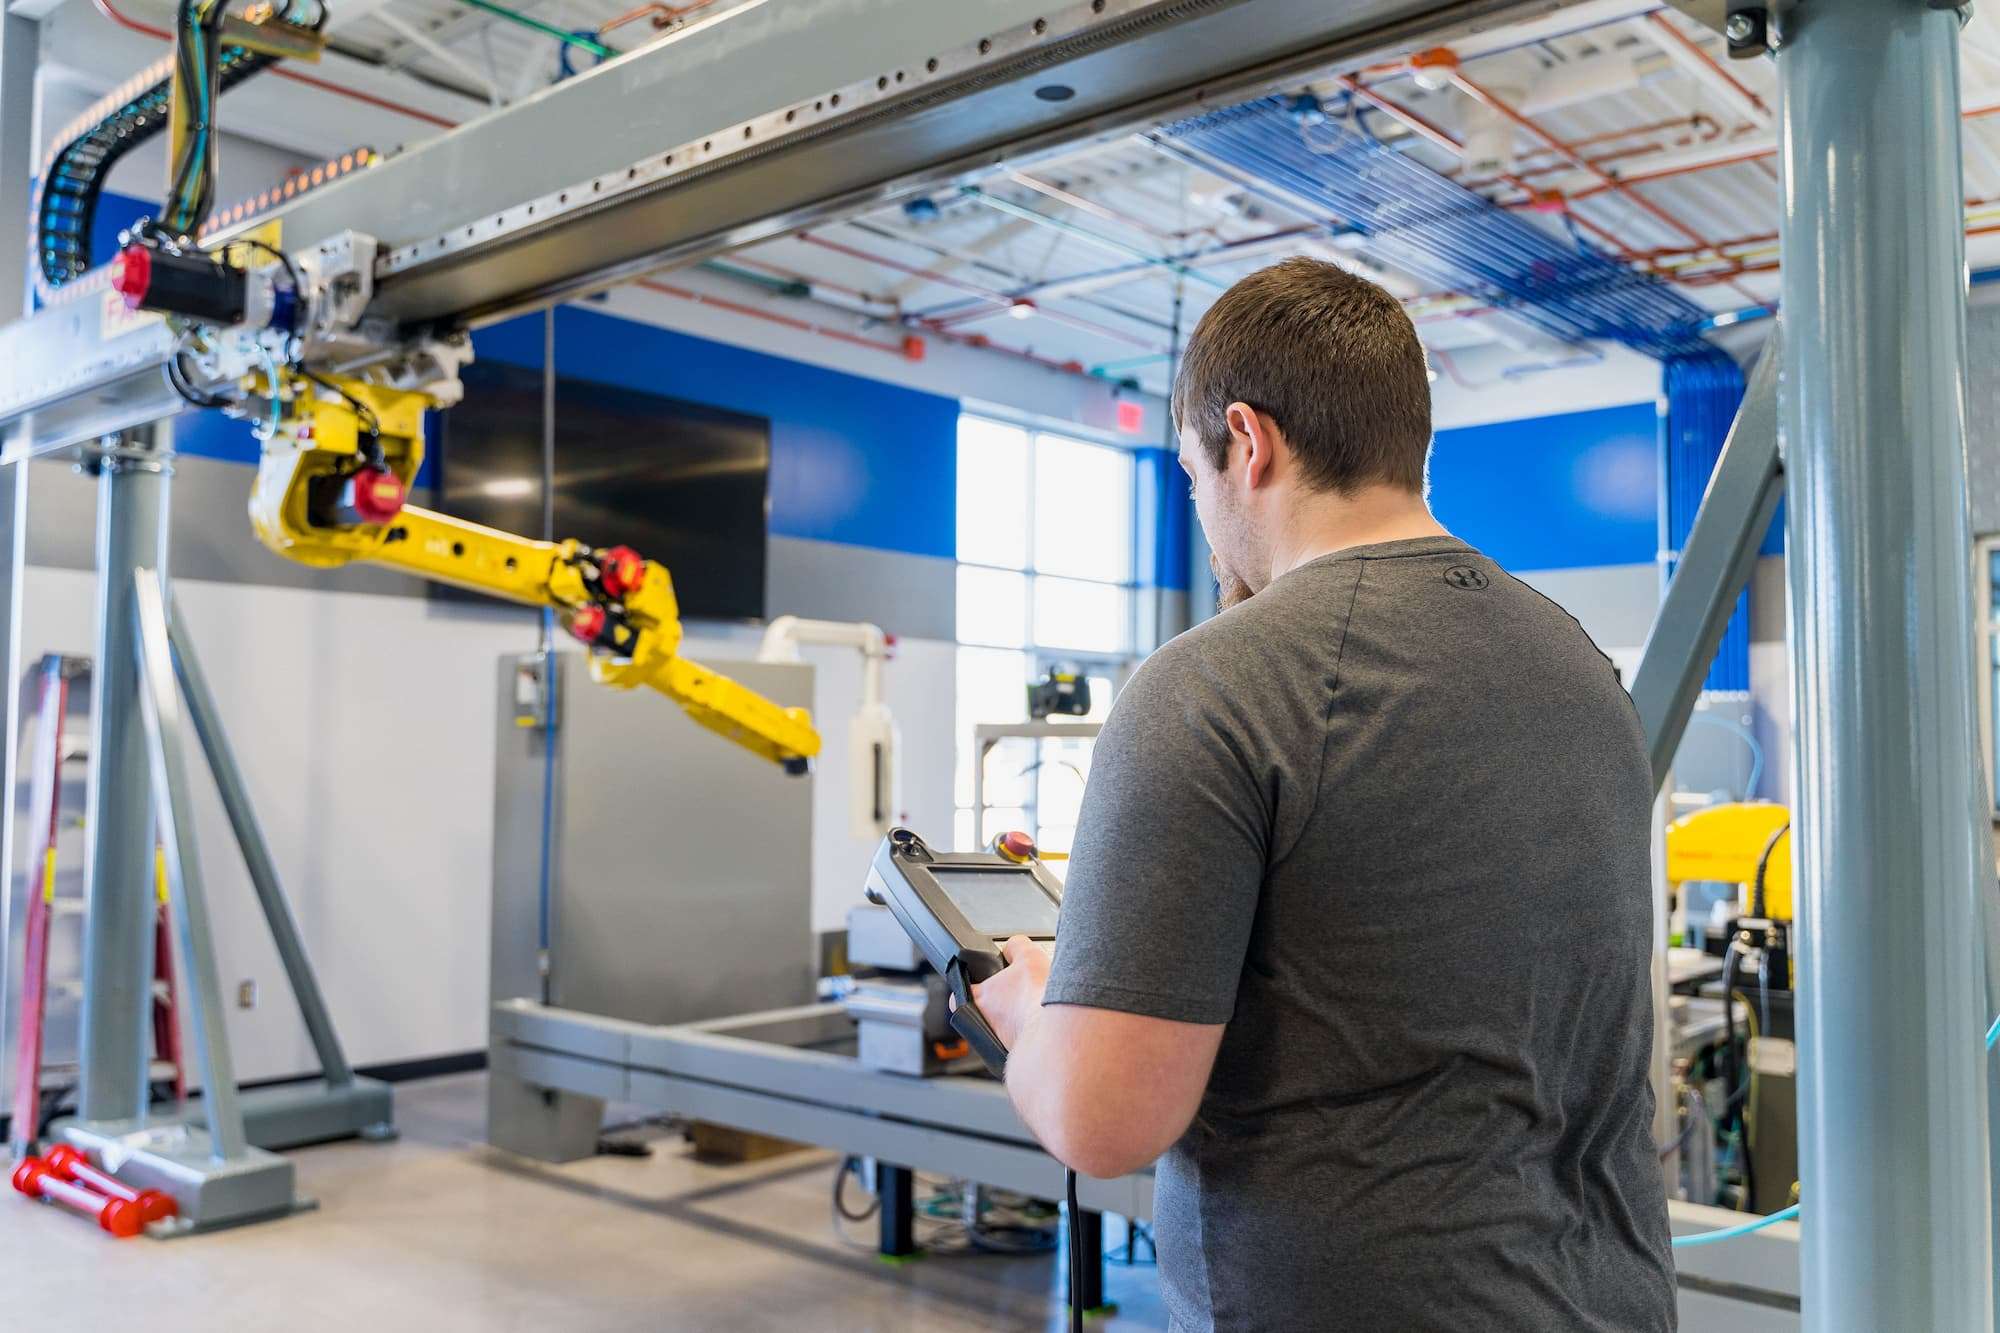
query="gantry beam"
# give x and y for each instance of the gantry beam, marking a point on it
(763, 118)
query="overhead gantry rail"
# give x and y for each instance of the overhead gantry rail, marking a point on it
(766, 117)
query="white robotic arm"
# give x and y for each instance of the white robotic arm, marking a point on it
(873, 739)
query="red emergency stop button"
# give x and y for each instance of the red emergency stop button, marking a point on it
(132, 274)
(375, 495)
(587, 622)
(621, 570)
(1016, 846)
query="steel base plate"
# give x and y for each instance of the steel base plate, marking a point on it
(178, 1159)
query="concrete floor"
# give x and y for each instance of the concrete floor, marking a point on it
(440, 1233)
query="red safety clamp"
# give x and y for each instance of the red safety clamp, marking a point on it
(38, 1180)
(69, 1162)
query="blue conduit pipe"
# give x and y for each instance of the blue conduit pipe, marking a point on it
(1703, 390)
(1435, 228)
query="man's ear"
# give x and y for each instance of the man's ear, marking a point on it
(1258, 436)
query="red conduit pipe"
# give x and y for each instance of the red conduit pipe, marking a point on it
(1442, 139)
(1761, 238)
(1695, 49)
(146, 29)
(1500, 107)
(1755, 154)
(1696, 121)
(1606, 159)
(662, 15)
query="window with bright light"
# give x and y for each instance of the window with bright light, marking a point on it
(1046, 578)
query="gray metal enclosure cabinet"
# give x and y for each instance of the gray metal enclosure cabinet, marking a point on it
(679, 865)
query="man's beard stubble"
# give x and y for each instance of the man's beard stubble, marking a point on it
(1229, 590)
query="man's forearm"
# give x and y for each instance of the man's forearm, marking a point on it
(1040, 1086)
(1104, 1090)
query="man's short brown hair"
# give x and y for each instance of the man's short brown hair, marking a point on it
(1330, 357)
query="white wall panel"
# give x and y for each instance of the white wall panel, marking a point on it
(364, 726)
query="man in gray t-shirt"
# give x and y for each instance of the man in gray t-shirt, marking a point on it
(1357, 928)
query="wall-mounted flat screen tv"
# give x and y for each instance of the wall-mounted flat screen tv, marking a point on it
(682, 483)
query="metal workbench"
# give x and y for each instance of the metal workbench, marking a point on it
(791, 1074)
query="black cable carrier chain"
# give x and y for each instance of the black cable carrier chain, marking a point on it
(74, 180)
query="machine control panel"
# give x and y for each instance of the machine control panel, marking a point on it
(960, 907)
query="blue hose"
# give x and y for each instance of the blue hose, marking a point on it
(1731, 1233)
(1749, 738)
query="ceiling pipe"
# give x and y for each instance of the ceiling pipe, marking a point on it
(1095, 209)
(663, 16)
(588, 45)
(1531, 197)
(282, 71)
(945, 256)
(910, 348)
(998, 302)
(1224, 252)
(1692, 57)
(1487, 98)
(1098, 239)
(1493, 102)
(1700, 129)
(1708, 158)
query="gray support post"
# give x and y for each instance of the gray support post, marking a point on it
(20, 52)
(118, 851)
(1890, 838)
(167, 758)
(20, 42)
(1716, 563)
(257, 860)
(1990, 902)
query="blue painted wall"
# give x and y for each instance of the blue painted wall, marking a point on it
(1161, 532)
(1559, 492)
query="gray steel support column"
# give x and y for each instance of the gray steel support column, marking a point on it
(256, 852)
(132, 494)
(1892, 848)
(166, 752)
(1991, 903)
(20, 42)
(20, 52)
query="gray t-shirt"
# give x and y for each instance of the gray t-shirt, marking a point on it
(1389, 820)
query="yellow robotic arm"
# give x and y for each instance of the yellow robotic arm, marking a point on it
(330, 489)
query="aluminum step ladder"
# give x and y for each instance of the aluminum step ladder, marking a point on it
(53, 680)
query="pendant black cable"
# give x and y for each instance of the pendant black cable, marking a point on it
(1075, 1272)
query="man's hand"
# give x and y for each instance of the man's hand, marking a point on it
(1010, 997)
